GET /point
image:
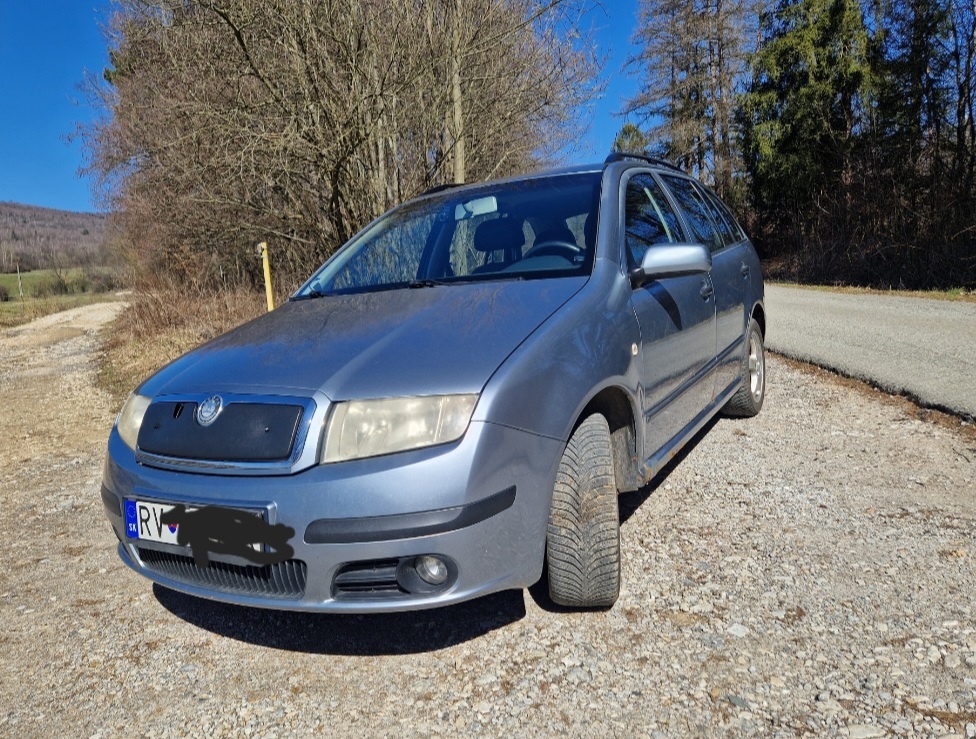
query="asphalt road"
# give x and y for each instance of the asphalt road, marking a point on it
(904, 345)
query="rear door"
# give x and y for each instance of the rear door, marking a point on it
(727, 243)
(732, 274)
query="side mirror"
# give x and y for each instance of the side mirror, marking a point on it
(672, 260)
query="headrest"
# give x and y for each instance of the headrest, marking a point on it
(499, 234)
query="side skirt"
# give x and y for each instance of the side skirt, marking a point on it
(656, 462)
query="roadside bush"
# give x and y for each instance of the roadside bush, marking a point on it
(163, 322)
(50, 286)
(59, 283)
(78, 281)
(101, 280)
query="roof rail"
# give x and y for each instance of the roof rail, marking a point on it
(620, 156)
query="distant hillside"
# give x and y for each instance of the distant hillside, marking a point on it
(37, 238)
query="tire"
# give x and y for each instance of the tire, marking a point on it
(583, 542)
(748, 399)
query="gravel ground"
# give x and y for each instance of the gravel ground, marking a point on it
(914, 346)
(806, 573)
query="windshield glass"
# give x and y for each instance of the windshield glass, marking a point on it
(537, 228)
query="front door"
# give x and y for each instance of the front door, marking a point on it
(677, 322)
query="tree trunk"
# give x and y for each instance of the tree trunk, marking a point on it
(457, 111)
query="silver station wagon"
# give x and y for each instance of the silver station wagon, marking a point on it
(452, 403)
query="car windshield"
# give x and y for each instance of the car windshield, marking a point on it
(542, 227)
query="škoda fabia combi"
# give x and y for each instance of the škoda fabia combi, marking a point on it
(451, 403)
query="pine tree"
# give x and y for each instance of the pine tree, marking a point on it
(632, 140)
(692, 65)
(802, 114)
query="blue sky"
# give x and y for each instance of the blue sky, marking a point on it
(48, 46)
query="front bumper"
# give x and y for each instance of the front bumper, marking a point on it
(480, 504)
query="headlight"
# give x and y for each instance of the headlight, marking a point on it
(368, 428)
(130, 418)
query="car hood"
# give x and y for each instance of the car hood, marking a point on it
(432, 340)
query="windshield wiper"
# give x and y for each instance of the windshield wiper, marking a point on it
(310, 295)
(425, 283)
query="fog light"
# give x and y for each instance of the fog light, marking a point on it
(432, 570)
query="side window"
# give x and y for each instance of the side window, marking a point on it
(695, 207)
(721, 216)
(649, 218)
(737, 233)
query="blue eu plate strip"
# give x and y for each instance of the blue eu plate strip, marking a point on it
(131, 520)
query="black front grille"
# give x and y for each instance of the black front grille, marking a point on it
(243, 432)
(285, 580)
(367, 580)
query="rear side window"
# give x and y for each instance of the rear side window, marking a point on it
(735, 230)
(700, 220)
(649, 218)
(720, 216)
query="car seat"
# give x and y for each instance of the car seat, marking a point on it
(499, 235)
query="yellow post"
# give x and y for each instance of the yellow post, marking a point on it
(263, 248)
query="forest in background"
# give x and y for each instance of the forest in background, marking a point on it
(47, 253)
(45, 238)
(841, 130)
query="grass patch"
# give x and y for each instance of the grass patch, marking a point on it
(959, 294)
(41, 283)
(30, 281)
(160, 325)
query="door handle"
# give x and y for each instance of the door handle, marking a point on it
(745, 270)
(707, 290)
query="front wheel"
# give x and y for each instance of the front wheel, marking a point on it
(583, 542)
(748, 399)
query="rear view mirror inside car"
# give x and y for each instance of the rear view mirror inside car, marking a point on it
(476, 207)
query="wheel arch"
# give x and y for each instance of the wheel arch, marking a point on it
(759, 314)
(614, 404)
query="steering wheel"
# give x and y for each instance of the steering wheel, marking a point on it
(556, 247)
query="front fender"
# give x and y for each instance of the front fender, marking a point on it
(582, 349)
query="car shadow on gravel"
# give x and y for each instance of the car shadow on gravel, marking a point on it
(630, 502)
(352, 635)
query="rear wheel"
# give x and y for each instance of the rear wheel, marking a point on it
(748, 399)
(583, 542)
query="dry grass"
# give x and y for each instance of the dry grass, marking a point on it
(160, 325)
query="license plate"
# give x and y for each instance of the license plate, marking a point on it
(143, 520)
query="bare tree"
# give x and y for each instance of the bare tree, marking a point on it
(962, 16)
(693, 62)
(234, 121)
